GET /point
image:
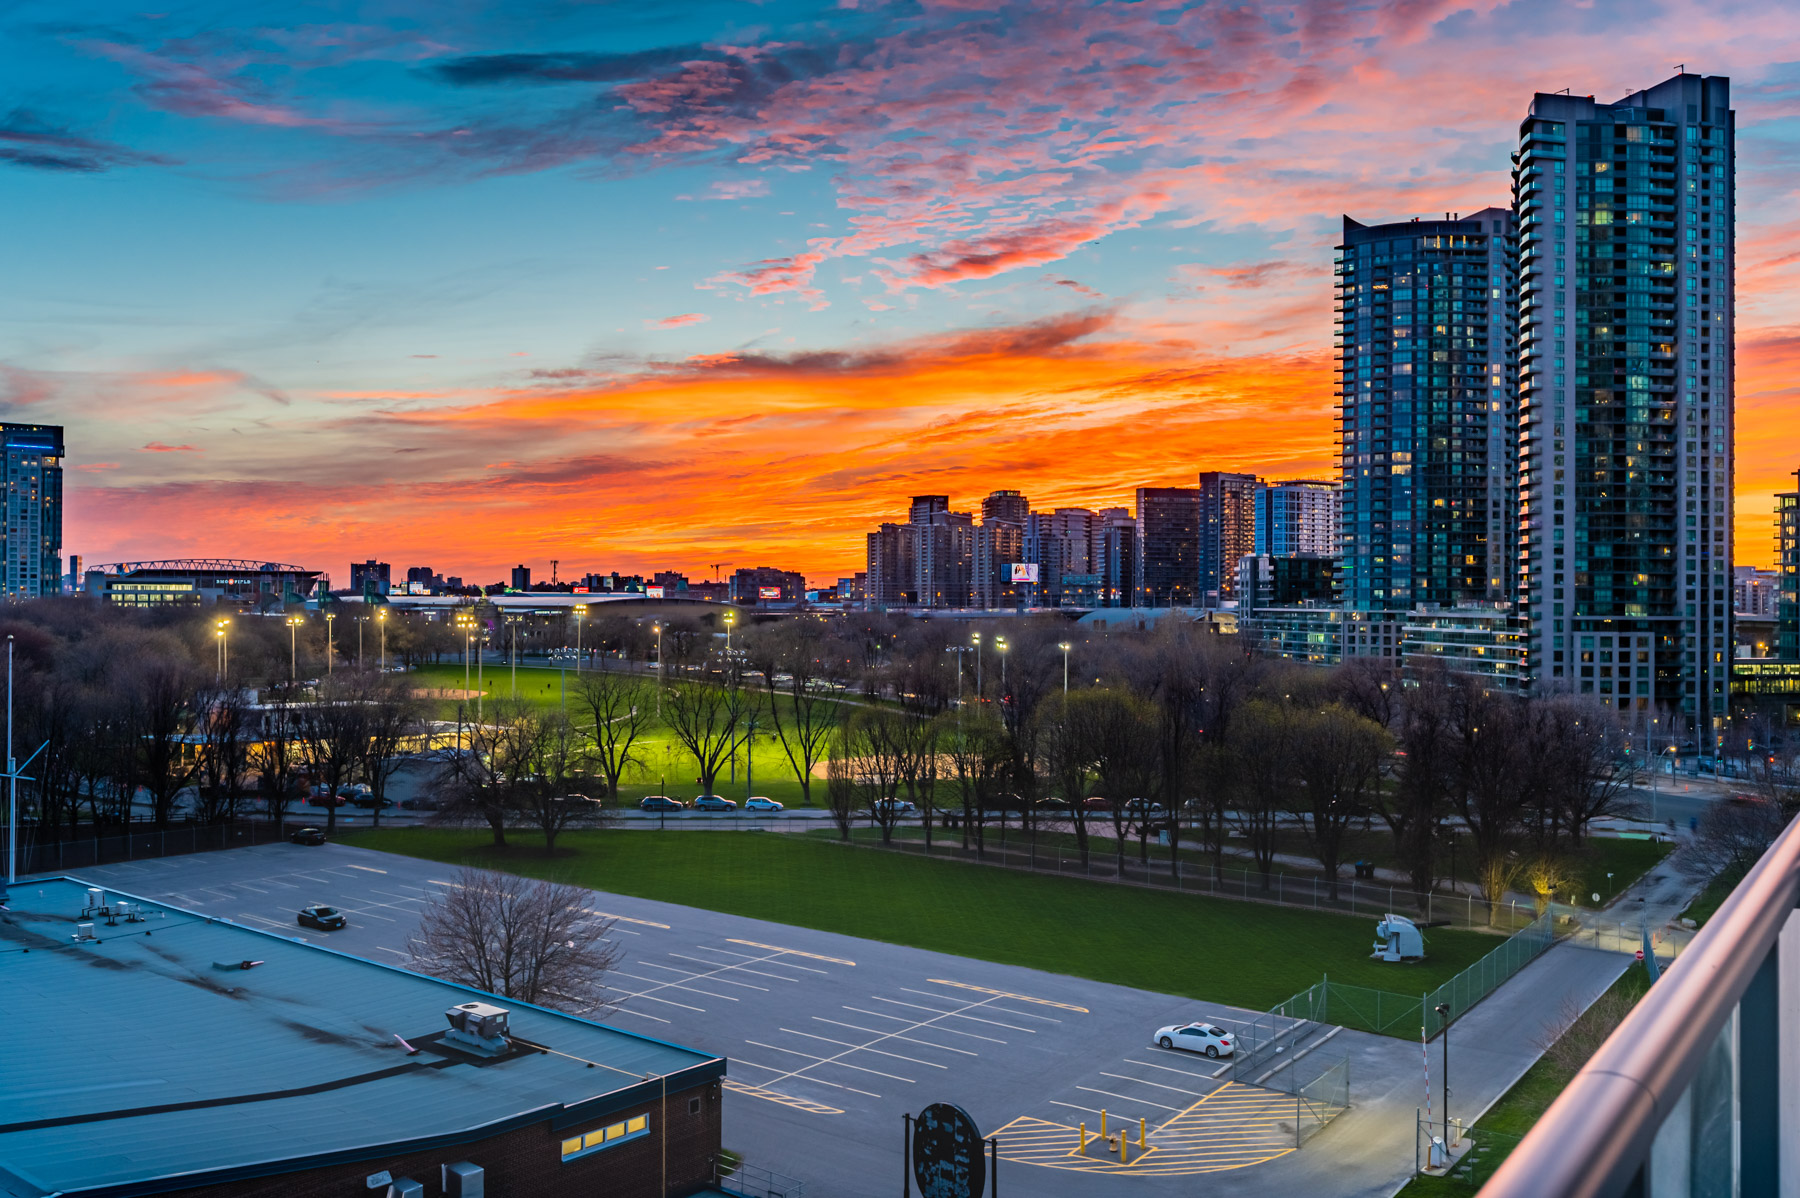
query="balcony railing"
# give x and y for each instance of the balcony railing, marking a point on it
(1653, 1112)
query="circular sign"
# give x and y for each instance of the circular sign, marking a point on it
(1640, 954)
(947, 1159)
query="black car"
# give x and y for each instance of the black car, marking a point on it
(326, 919)
(421, 804)
(661, 803)
(307, 836)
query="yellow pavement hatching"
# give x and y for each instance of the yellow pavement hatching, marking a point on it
(1232, 1128)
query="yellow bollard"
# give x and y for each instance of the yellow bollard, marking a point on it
(1103, 1123)
(1124, 1147)
(1084, 1137)
(1141, 1124)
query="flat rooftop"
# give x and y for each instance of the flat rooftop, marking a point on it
(139, 1058)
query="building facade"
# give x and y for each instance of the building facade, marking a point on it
(1787, 570)
(34, 510)
(371, 572)
(1168, 547)
(1227, 526)
(1426, 384)
(1299, 516)
(1626, 323)
(752, 585)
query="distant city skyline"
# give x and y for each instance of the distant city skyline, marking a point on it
(712, 283)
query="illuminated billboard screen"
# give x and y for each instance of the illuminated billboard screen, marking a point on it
(768, 592)
(1025, 572)
(654, 592)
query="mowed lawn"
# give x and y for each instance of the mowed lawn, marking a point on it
(1245, 954)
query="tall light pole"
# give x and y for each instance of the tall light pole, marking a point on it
(330, 648)
(222, 627)
(1000, 644)
(980, 691)
(1443, 1013)
(293, 623)
(381, 622)
(360, 621)
(580, 611)
(959, 650)
(657, 629)
(730, 619)
(512, 628)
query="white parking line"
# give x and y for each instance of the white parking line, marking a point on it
(1126, 1077)
(1166, 1069)
(403, 956)
(1123, 1098)
(863, 1048)
(937, 1011)
(785, 964)
(621, 1009)
(910, 1040)
(367, 869)
(819, 1081)
(818, 1060)
(658, 983)
(904, 1019)
(714, 977)
(738, 968)
(259, 919)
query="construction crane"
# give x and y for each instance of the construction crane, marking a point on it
(552, 571)
(716, 567)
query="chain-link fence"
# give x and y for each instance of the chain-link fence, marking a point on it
(1452, 999)
(60, 856)
(1467, 1156)
(1319, 1101)
(1193, 875)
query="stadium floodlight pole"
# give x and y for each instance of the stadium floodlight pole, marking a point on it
(1000, 644)
(360, 621)
(980, 691)
(660, 676)
(381, 622)
(330, 649)
(1064, 646)
(293, 623)
(580, 611)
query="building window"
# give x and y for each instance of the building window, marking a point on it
(634, 1128)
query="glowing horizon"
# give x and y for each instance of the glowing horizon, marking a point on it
(730, 282)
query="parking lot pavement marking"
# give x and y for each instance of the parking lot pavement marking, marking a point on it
(1124, 1098)
(367, 869)
(1234, 1127)
(649, 923)
(737, 1062)
(819, 1060)
(648, 997)
(403, 956)
(779, 977)
(691, 975)
(1168, 1069)
(791, 952)
(1009, 994)
(861, 1048)
(259, 919)
(902, 1019)
(1158, 1085)
(799, 1104)
(958, 1014)
(909, 1039)
(657, 984)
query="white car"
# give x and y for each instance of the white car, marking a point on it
(761, 803)
(1197, 1037)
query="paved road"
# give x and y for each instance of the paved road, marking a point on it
(831, 1038)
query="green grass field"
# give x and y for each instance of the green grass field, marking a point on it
(665, 767)
(1249, 955)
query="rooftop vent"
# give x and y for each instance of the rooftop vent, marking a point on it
(477, 1027)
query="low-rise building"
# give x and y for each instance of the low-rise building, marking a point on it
(200, 580)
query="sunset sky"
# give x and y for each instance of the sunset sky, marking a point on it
(656, 285)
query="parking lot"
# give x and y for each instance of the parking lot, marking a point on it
(830, 1039)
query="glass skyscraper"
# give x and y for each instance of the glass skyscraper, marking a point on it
(1426, 365)
(1625, 391)
(34, 510)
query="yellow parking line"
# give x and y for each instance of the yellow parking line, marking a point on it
(649, 923)
(1042, 1002)
(799, 1104)
(792, 952)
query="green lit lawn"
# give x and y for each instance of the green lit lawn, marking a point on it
(666, 767)
(1255, 955)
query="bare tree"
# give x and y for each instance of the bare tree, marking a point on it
(813, 711)
(520, 938)
(620, 706)
(981, 760)
(334, 728)
(224, 752)
(394, 717)
(554, 754)
(1262, 743)
(276, 755)
(875, 745)
(1731, 837)
(1338, 755)
(1573, 1036)
(710, 720)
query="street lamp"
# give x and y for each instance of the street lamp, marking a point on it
(730, 619)
(1000, 644)
(381, 623)
(1443, 1013)
(360, 621)
(959, 650)
(329, 648)
(580, 611)
(980, 691)
(293, 623)
(224, 648)
(657, 629)
(512, 628)
(1064, 646)
(562, 659)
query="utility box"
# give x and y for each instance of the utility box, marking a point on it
(464, 1180)
(406, 1187)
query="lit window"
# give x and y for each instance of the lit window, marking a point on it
(605, 1137)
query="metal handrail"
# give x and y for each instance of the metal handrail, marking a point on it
(1596, 1136)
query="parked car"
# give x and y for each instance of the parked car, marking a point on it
(321, 796)
(326, 919)
(661, 803)
(366, 799)
(1143, 807)
(1051, 806)
(422, 803)
(762, 803)
(894, 807)
(1096, 803)
(306, 836)
(712, 803)
(1197, 1037)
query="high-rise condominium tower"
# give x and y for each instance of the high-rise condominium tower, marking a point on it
(1227, 532)
(1425, 401)
(34, 506)
(1298, 517)
(1625, 392)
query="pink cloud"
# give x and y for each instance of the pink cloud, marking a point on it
(679, 322)
(94, 466)
(159, 447)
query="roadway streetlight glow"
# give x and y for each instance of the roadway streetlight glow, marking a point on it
(381, 622)
(329, 648)
(730, 619)
(1064, 646)
(224, 654)
(293, 623)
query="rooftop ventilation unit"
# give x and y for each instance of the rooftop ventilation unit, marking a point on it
(477, 1027)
